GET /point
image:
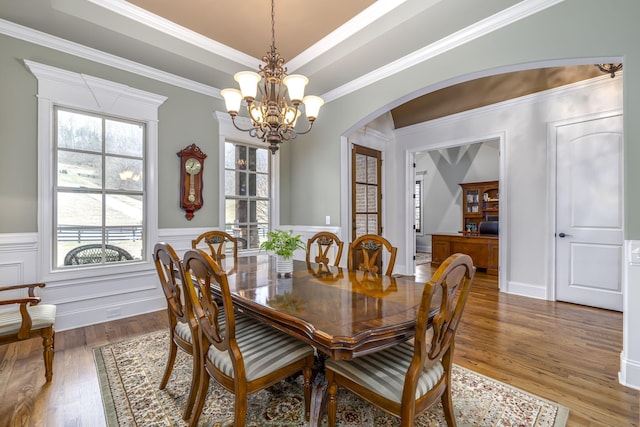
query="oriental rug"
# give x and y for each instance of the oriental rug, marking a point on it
(130, 371)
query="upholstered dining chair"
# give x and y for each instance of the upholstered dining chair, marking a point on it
(324, 240)
(242, 354)
(409, 378)
(365, 254)
(183, 332)
(217, 243)
(27, 319)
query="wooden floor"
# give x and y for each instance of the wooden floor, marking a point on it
(562, 352)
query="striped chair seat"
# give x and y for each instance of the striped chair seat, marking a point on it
(385, 372)
(42, 316)
(183, 330)
(264, 349)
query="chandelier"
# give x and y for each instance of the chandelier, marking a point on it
(273, 119)
(610, 68)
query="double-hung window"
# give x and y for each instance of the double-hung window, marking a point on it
(247, 193)
(97, 187)
(99, 190)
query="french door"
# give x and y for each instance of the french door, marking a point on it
(366, 193)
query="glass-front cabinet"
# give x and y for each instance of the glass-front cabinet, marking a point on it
(480, 203)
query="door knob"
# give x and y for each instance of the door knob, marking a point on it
(564, 235)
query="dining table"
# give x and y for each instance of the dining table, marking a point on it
(342, 313)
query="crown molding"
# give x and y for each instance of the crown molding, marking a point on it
(144, 17)
(481, 28)
(61, 45)
(346, 30)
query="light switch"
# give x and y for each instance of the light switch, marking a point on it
(328, 220)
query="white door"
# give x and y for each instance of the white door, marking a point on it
(589, 237)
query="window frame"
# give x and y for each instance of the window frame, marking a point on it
(418, 204)
(67, 89)
(103, 190)
(227, 132)
(248, 198)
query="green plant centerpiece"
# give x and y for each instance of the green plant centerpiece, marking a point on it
(283, 244)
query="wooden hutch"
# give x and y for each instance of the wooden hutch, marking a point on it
(479, 234)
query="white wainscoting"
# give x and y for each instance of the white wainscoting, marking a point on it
(100, 297)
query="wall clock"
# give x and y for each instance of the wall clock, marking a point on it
(191, 182)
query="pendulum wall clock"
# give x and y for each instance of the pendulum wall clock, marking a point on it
(191, 167)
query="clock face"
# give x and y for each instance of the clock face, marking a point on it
(192, 166)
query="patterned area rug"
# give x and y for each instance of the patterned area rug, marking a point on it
(130, 371)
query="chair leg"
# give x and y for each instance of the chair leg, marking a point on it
(307, 374)
(332, 404)
(48, 338)
(173, 349)
(240, 407)
(447, 406)
(195, 377)
(203, 388)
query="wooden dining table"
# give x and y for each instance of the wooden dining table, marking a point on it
(342, 313)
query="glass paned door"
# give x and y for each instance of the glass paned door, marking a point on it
(366, 193)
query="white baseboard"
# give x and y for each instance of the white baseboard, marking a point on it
(629, 375)
(526, 290)
(106, 313)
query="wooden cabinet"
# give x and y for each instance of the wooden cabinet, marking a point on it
(480, 202)
(483, 250)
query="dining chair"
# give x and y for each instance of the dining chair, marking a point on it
(183, 329)
(407, 379)
(242, 354)
(325, 241)
(365, 254)
(27, 318)
(217, 243)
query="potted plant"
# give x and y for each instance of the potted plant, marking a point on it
(283, 244)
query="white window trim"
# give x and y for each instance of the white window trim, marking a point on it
(57, 87)
(420, 177)
(228, 132)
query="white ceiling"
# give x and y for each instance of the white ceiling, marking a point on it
(340, 45)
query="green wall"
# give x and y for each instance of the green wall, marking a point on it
(568, 31)
(185, 118)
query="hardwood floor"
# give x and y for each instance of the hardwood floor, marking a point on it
(562, 352)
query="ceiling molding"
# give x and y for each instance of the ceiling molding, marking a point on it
(155, 22)
(472, 32)
(348, 29)
(42, 39)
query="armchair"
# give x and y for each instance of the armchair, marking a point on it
(29, 319)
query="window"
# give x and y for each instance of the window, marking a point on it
(417, 199)
(247, 193)
(99, 198)
(97, 143)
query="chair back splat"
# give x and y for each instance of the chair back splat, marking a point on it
(324, 241)
(366, 252)
(183, 329)
(412, 377)
(217, 243)
(242, 354)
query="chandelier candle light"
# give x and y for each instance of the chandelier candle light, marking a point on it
(273, 119)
